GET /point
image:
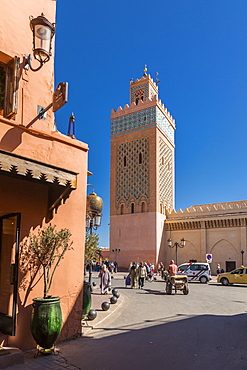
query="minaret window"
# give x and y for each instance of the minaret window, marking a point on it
(122, 209)
(139, 95)
(143, 207)
(132, 208)
(125, 161)
(140, 158)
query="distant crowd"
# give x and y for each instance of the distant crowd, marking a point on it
(138, 273)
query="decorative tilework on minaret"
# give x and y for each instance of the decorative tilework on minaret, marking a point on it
(145, 111)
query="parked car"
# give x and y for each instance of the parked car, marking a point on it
(196, 271)
(237, 276)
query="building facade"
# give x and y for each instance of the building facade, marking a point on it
(218, 229)
(43, 176)
(142, 215)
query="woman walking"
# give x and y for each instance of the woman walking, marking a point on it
(105, 279)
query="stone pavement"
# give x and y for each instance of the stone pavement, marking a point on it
(58, 361)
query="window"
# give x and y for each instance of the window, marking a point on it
(143, 207)
(9, 83)
(122, 209)
(2, 86)
(132, 208)
(194, 268)
(183, 267)
(202, 267)
(140, 158)
(238, 271)
(125, 161)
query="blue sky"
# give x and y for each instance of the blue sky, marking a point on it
(199, 49)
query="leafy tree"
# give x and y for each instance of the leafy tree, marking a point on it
(48, 247)
(91, 247)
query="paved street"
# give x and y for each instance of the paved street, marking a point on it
(206, 329)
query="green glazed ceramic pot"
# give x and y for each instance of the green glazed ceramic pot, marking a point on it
(46, 322)
(87, 300)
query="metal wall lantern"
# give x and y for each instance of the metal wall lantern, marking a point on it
(43, 32)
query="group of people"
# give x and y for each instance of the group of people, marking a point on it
(112, 266)
(219, 270)
(139, 272)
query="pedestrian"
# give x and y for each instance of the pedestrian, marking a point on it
(151, 268)
(218, 271)
(162, 269)
(105, 279)
(142, 274)
(133, 275)
(147, 268)
(115, 266)
(173, 268)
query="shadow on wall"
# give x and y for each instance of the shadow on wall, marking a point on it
(11, 139)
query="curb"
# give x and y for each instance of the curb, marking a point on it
(88, 325)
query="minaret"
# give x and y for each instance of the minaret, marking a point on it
(142, 174)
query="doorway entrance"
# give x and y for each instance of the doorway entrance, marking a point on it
(230, 265)
(9, 258)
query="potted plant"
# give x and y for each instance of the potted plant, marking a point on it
(48, 247)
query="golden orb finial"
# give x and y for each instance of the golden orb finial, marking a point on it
(145, 70)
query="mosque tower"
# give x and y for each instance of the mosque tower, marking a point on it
(142, 175)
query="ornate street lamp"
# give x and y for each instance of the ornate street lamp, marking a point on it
(176, 245)
(43, 32)
(94, 209)
(93, 218)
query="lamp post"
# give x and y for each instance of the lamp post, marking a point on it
(242, 252)
(93, 217)
(176, 245)
(117, 250)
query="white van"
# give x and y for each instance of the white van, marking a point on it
(196, 271)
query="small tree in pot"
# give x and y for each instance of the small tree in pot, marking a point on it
(48, 247)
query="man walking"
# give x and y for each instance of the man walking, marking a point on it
(142, 274)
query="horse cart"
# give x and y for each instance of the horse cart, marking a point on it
(177, 282)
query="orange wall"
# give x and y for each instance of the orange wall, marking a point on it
(16, 40)
(41, 143)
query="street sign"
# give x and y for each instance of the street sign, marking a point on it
(60, 96)
(209, 257)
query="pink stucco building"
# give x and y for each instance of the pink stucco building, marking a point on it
(43, 176)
